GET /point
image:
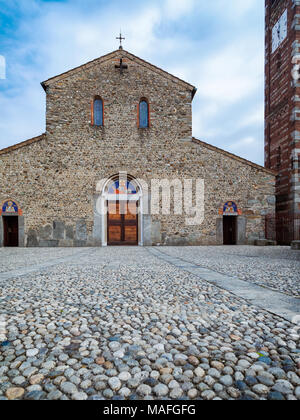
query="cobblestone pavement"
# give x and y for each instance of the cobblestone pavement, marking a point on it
(119, 323)
(277, 268)
(18, 258)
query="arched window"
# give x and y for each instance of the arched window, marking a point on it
(143, 113)
(97, 112)
(122, 186)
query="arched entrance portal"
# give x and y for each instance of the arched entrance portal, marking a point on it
(11, 224)
(123, 222)
(11, 231)
(230, 230)
(230, 221)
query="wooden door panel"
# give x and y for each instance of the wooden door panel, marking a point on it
(130, 233)
(131, 211)
(114, 211)
(115, 233)
(130, 217)
(122, 223)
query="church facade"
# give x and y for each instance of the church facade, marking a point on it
(113, 126)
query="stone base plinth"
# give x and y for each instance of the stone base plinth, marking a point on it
(295, 245)
(261, 242)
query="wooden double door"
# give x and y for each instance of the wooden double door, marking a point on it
(11, 230)
(122, 223)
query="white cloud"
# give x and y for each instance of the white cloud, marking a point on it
(2, 67)
(256, 116)
(230, 74)
(175, 9)
(234, 10)
(247, 141)
(228, 110)
(71, 41)
(22, 115)
(251, 148)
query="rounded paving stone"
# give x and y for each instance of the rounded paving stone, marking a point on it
(35, 395)
(241, 385)
(283, 386)
(68, 388)
(124, 376)
(193, 393)
(176, 393)
(32, 352)
(108, 393)
(208, 395)
(15, 393)
(251, 381)
(54, 395)
(260, 389)
(115, 383)
(226, 380)
(79, 396)
(144, 390)
(199, 372)
(161, 390)
(275, 396)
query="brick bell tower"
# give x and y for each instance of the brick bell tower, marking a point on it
(282, 112)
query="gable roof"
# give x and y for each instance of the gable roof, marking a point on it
(194, 140)
(120, 53)
(22, 144)
(232, 156)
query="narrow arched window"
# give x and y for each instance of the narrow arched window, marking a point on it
(144, 114)
(98, 112)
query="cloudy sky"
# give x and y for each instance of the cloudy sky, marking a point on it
(218, 46)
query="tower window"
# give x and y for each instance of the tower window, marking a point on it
(97, 112)
(143, 113)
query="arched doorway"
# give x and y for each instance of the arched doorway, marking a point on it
(11, 224)
(121, 198)
(10, 231)
(230, 228)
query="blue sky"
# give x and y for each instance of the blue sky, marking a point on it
(217, 46)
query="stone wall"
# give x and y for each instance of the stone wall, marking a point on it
(54, 178)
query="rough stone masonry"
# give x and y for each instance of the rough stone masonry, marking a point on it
(53, 177)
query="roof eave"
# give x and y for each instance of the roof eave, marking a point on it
(235, 157)
(22, 144)
(194, 93)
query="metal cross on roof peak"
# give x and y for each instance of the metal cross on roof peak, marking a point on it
(120, 38)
